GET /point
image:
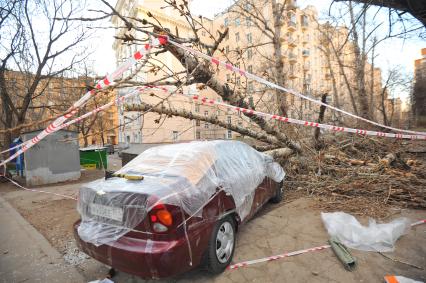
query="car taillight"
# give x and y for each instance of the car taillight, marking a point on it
(161, 219)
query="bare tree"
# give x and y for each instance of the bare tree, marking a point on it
(417, 8)
(349, 40)
(418, 96)
(199, 72)
(37, 55)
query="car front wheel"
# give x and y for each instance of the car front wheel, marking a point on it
(221, 245)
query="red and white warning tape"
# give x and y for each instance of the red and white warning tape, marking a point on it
(418, 222)
(9, 149)
(99, 109)
(275, 257)
(116, 101)
(360, 132)
(241, 72)
(39, 191)
(108, 80)
(284, 255)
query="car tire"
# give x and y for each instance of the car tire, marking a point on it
(279, 193)
(221, 245)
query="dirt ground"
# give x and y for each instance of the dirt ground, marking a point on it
(291, 225)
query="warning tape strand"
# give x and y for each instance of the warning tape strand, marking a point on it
(241, 72)
(38, 191)
(360, 132)
(284, 255)
(116, 101)
(107, 81)
(275, 257)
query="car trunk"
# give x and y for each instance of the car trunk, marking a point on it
(116, 207)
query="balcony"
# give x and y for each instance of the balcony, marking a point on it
(305, 53)
(305, 39)
(292, 57)
(292, 42)
(292, 75)
(292, 26)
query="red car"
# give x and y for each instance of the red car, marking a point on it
(175, 207)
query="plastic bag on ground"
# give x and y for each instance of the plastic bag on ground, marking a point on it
(375, 237)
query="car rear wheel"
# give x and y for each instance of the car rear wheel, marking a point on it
(279, 194)
(221, 245)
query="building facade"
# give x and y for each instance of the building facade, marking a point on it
(309, 67)
(54, 96)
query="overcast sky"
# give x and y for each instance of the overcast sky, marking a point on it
(390, 53)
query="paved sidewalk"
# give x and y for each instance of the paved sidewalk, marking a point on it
(25, 255)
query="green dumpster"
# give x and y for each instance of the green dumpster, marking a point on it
(93, 158)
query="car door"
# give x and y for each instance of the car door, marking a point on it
(263, 193)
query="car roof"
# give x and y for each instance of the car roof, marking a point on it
(191, 160)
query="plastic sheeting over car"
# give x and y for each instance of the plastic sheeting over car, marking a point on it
(185, 175)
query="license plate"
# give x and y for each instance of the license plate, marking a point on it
(114, 213)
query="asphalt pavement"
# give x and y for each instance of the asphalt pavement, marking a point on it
(26, 256)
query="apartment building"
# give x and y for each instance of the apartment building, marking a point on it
(152, 127)
(308, 65)
(55, 95)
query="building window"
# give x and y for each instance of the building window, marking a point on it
(175, 135)
(229, 120)
(206, 125)
(250, 87)
(206, 113)
(229, 134)
(248, 21)
(227, 49)
(304, 20)
(197, 123)
(226, 22)
(237, 22)
(249, 38)
(197, 108)
(237, 81)
(250, 69)
(237, 36)
(198, 135)
(249, 53)
(227, 36)
(228, 77)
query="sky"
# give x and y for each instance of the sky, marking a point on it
(392, 52)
